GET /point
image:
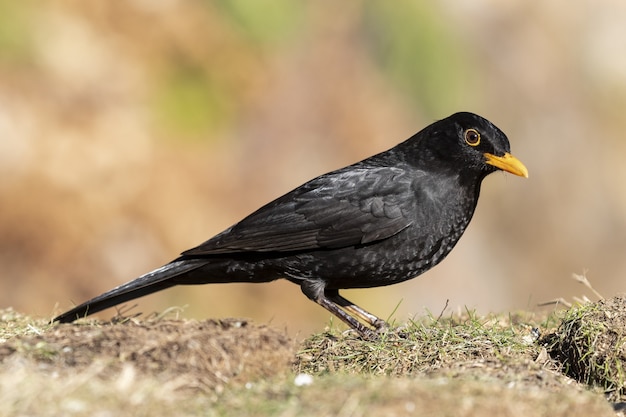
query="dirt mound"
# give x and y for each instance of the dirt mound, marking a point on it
(469, 347)
(459, 365)
(205, 354)
(590, 345)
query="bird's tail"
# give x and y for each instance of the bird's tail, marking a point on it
(153, 281)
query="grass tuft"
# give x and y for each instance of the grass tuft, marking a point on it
(15, 324)
(590, 345)
(422, 347)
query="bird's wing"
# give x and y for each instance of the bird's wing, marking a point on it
(344, 208)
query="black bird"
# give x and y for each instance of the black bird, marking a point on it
(378, 222)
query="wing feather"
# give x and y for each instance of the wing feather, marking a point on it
(343, 208)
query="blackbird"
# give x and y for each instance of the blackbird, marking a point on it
(378, 222)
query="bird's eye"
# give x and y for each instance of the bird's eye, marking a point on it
(472, 137)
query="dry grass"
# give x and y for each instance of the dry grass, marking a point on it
(590, 345)
(421, 346)
(459, 365)
(199, 355)
(352, 395)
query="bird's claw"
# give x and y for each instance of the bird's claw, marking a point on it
(381, 326)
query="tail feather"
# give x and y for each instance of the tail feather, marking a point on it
(153, 281)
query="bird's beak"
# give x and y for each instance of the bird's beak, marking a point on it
(508, 163)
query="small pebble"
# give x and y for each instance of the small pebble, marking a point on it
(303, 379)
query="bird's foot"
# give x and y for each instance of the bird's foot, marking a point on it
(365, 332)
(370, 335)
(381, 326)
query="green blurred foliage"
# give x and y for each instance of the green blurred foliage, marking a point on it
(411, 45)
(195, 100)
(189, 104)
(265, 21)
(417, 50)
(15, 31)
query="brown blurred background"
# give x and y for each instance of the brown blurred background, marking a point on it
(131, 131)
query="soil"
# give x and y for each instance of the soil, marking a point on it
(582, 356)
(202, 355)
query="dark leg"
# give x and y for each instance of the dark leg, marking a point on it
(315, 291)
(355, 310)
(346, 318)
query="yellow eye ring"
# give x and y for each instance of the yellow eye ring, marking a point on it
(472, 137)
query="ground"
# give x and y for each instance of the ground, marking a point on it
(565, 363)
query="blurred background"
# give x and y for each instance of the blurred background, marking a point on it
(131, 131)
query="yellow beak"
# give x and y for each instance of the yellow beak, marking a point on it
(508, 163)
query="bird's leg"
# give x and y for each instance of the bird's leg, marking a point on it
(366, 316)
(329, 300)
(315, 291)
(346, 318)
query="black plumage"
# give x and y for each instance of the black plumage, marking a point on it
(381, 221)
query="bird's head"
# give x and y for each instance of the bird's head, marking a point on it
(466, 140)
